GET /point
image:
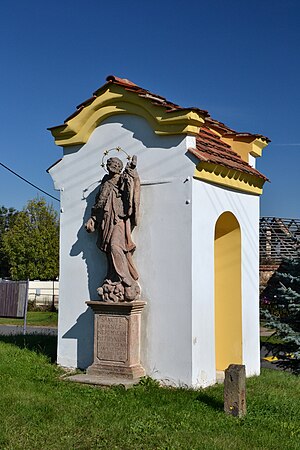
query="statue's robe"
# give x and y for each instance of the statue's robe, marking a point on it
(116, 213)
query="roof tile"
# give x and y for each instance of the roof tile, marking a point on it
(210, 148)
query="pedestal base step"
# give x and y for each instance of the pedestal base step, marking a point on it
(114, 371)
(98, 380)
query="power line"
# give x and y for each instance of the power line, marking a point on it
(28, 182)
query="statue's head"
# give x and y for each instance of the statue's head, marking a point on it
(114, 165)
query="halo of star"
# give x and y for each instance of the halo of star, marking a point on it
(114, 149)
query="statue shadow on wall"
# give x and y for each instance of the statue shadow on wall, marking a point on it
(143, 132)
(95, 260)
(83, 332)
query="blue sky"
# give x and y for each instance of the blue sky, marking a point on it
(240, 60)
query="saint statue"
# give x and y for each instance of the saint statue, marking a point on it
(114, 215)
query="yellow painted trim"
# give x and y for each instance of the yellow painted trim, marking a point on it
(116, 100)
(233, 179)
(228, 291)
(257, 147)
(245, 145)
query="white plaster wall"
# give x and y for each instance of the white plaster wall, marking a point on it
(251, 160)
(163, 239)
(209, 202)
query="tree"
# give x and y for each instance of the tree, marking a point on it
(31, 244)
(7, 219)
(281, 309)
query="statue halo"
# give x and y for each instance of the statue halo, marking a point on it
(114, 149)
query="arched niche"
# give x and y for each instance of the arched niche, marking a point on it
(228, 291)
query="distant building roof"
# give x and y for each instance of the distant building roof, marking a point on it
(279, 238)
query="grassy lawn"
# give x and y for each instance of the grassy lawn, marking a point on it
(40, 411)
(34, 318)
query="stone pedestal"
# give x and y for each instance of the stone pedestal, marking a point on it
(117, 340)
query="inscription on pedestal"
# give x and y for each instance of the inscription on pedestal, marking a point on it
(112, 338)
(117, 340)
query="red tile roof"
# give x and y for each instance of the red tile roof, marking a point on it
(155, 99)
(225, 131)
(210, 148)
(162, 101)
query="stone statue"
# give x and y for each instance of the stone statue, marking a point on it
(114, 215)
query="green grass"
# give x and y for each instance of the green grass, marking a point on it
(34, 318)
(40, 411)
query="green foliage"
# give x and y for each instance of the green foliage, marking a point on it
(148, 382)
(281, 309)
(41, 411)
(31, 244)
(7, 219)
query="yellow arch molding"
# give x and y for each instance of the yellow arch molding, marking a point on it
(117, 100)
(231, 178)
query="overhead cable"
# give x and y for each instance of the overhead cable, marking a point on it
(28, 182)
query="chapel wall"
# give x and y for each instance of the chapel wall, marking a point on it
(209, 202)
(163, 238)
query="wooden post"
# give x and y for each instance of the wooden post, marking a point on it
(235, 390)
